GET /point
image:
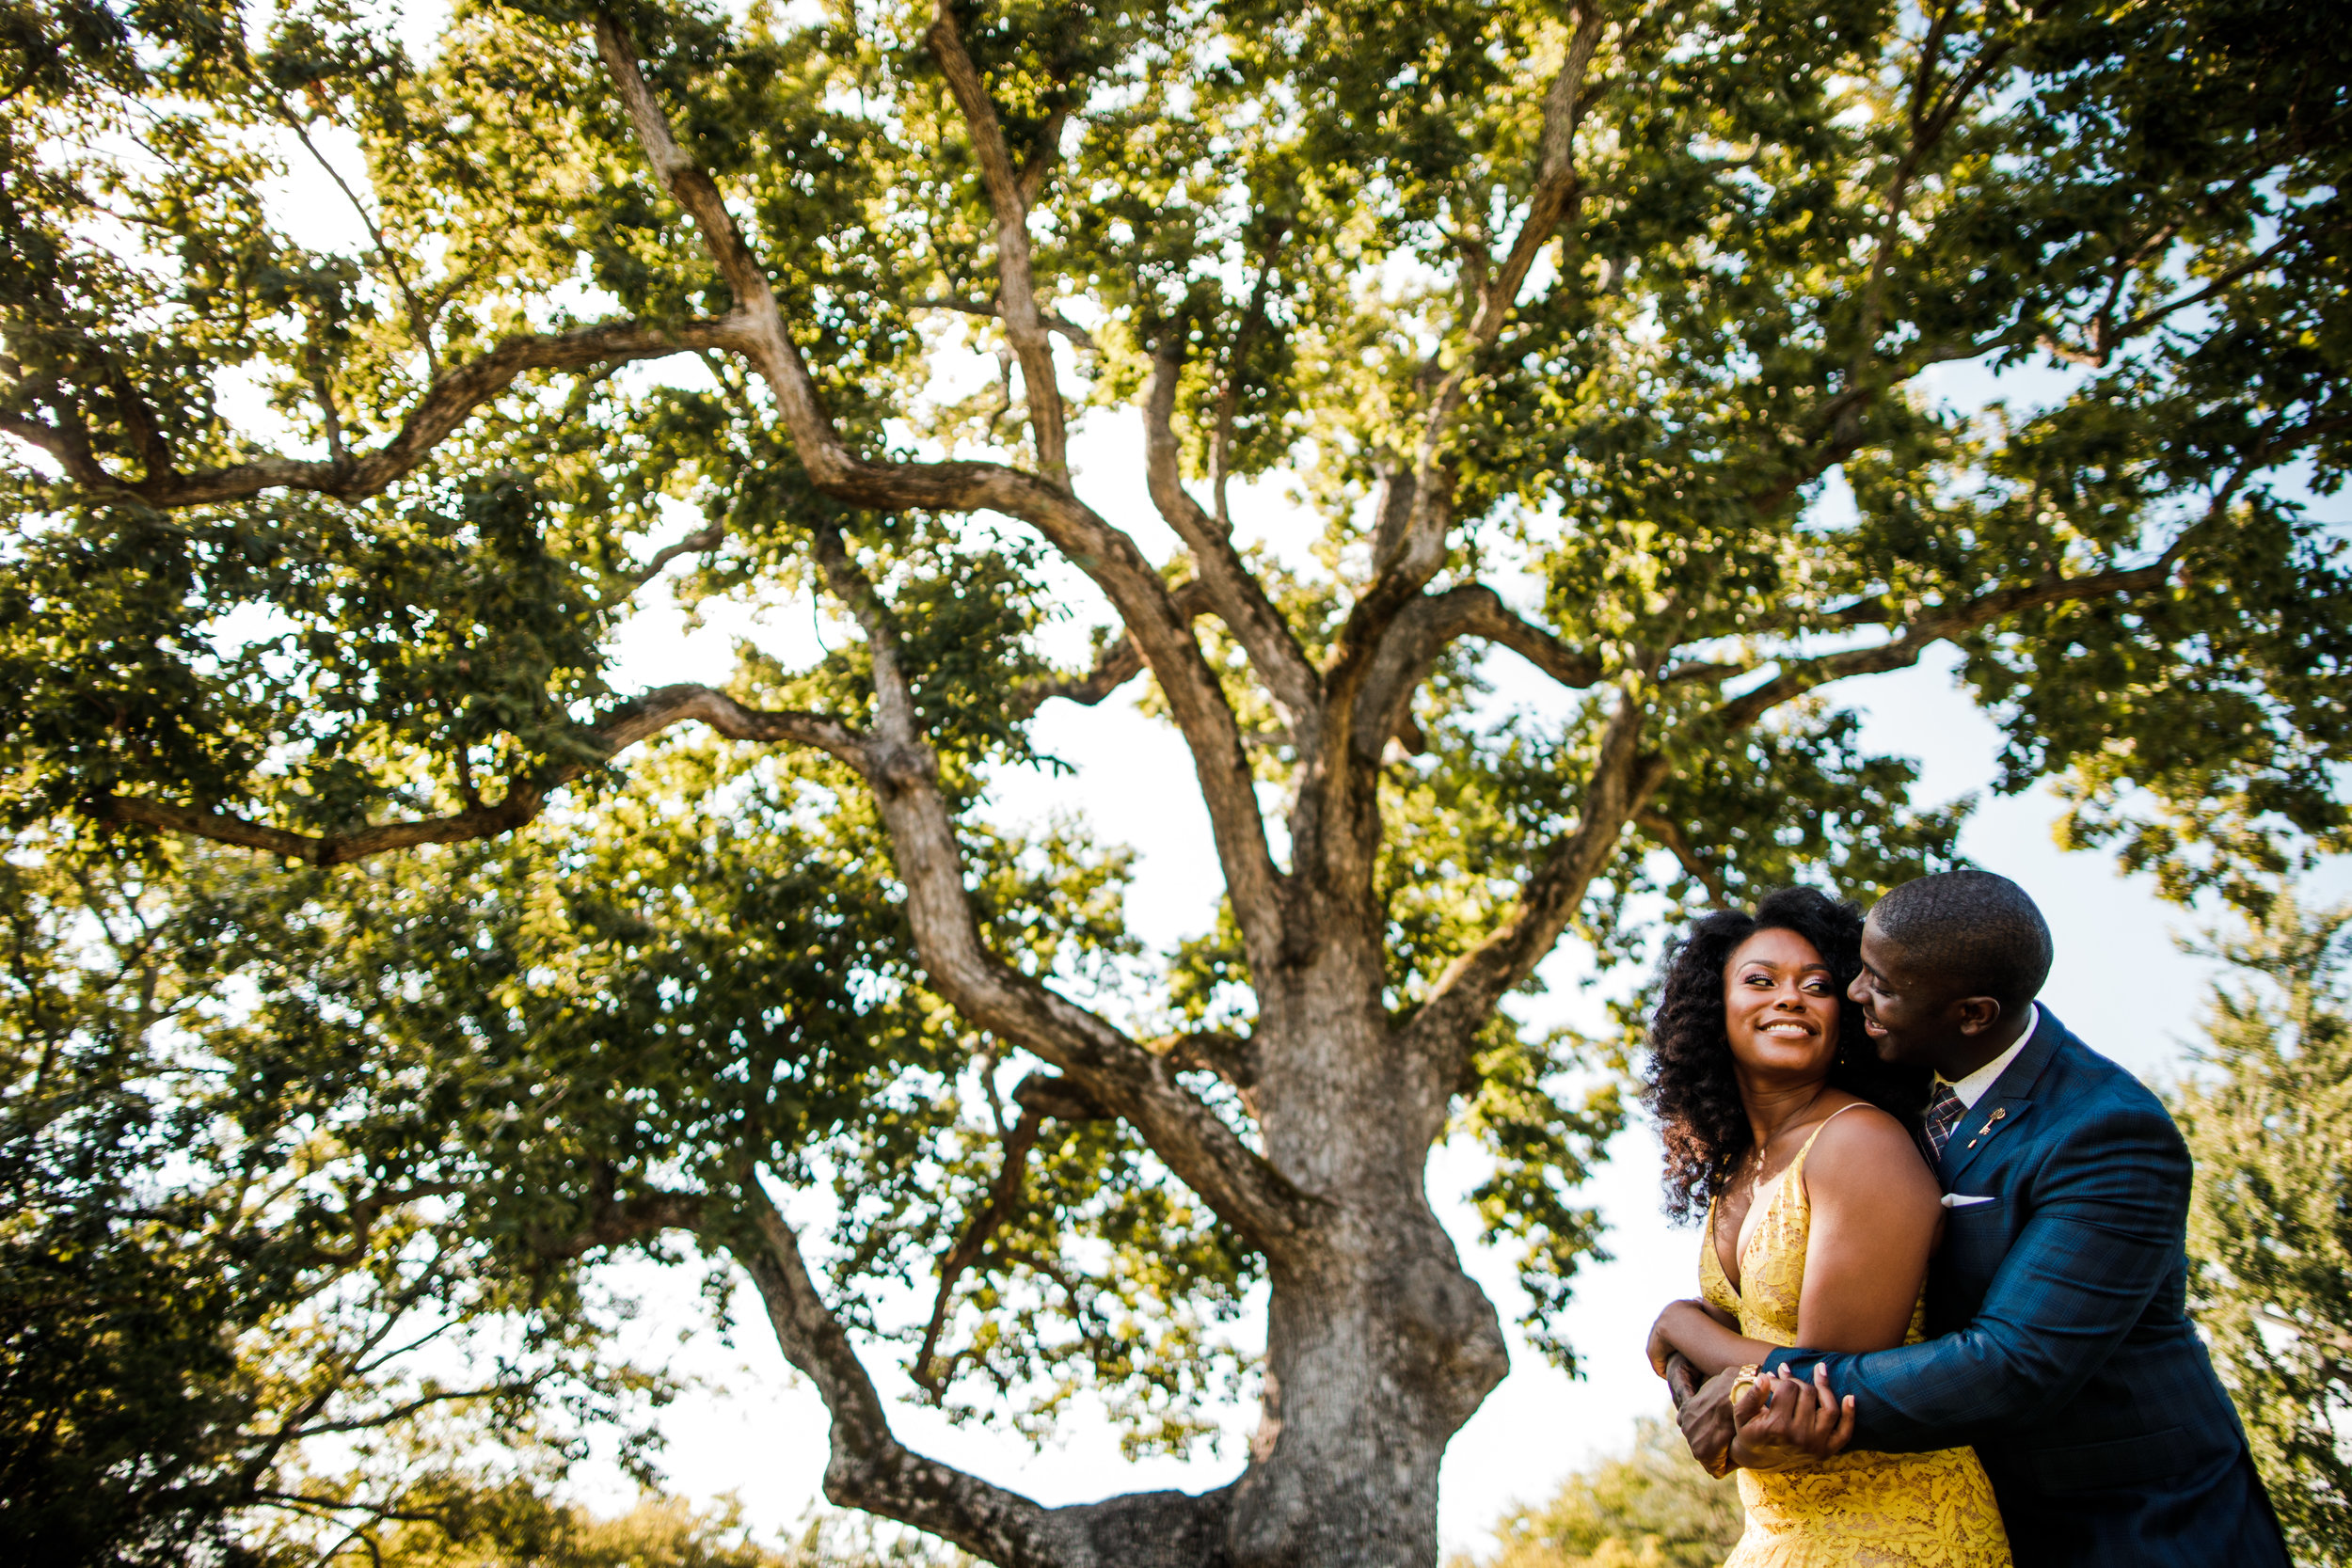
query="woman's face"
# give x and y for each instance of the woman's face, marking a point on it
(1780, 1008)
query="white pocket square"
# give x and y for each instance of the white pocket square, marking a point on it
(1962, 1200)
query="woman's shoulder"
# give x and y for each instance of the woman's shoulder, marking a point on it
(1859, 1143)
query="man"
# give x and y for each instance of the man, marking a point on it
(2063, 1350)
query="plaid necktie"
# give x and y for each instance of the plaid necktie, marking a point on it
(1944, 1109)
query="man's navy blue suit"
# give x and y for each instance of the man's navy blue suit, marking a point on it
(2063, 1346)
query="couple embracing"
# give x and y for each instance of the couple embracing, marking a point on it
(1941, 1320)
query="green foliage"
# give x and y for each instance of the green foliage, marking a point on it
(1545, 1140)
(1651, 1508)
(119, 1385)
(1729, 314)
(261, 1120)
(2268, 1117)
(190, 1297)
(658, 1533)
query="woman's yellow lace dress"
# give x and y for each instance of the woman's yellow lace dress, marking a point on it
(1856, 1509)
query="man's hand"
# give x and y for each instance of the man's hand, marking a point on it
(1785, 1422)
(1705, 1420)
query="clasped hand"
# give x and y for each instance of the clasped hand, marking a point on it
(1778, 1422)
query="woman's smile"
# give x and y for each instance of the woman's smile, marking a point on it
(1780, 1005)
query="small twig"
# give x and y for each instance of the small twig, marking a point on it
(333, 418)
(418, 322)
(1053, 320)
(706, 538)
(1668, 834)
(1039, 1098)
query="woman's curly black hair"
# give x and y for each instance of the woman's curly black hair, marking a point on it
(1691, 1089)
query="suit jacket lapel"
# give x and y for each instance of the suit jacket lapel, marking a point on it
(2005, 1104)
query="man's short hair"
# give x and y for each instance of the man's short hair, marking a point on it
(1973, 932)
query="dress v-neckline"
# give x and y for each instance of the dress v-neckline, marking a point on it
(1746, 1237)
(1752, 1223)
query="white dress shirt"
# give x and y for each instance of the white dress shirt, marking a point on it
(1972, 1088)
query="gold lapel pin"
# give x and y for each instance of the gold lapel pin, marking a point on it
(1998, 1114)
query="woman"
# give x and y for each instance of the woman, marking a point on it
(1820, 1217)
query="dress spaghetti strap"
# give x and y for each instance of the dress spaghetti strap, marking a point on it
(1759, 1211)
(1817, 1130)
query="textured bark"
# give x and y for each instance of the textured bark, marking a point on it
(1378, 1345)
(1010, 197)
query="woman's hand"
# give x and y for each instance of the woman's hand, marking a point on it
(1661, 1337)
(1682, 1379)
(1783, 1422)
(1708, 1339)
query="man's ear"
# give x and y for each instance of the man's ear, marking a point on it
(1976, 1014)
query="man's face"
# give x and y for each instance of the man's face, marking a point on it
(1908, 1019)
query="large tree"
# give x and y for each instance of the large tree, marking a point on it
(1604, 335)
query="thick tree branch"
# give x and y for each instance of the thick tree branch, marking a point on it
(1119, 663)
(870, 1469)
(525, 796)
(1483, 613)
(1666, 831)
(1040, 1099)
(1408, 553)
(1053, 320)
(701, 539)
(1364, 688)
(613, 1222)
(1235, 593)
(1556, 182)
(1108, 556)
(1838, 422)
(1230, 1056)
(1126, 1080)
(1798, 676)
(522, 802)
(1424, 629)
(447, 404)
(1009, 195)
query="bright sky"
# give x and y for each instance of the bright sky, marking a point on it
(757, 1431)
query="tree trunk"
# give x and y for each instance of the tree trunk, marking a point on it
(1372, 1363)
(1378, 1345)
